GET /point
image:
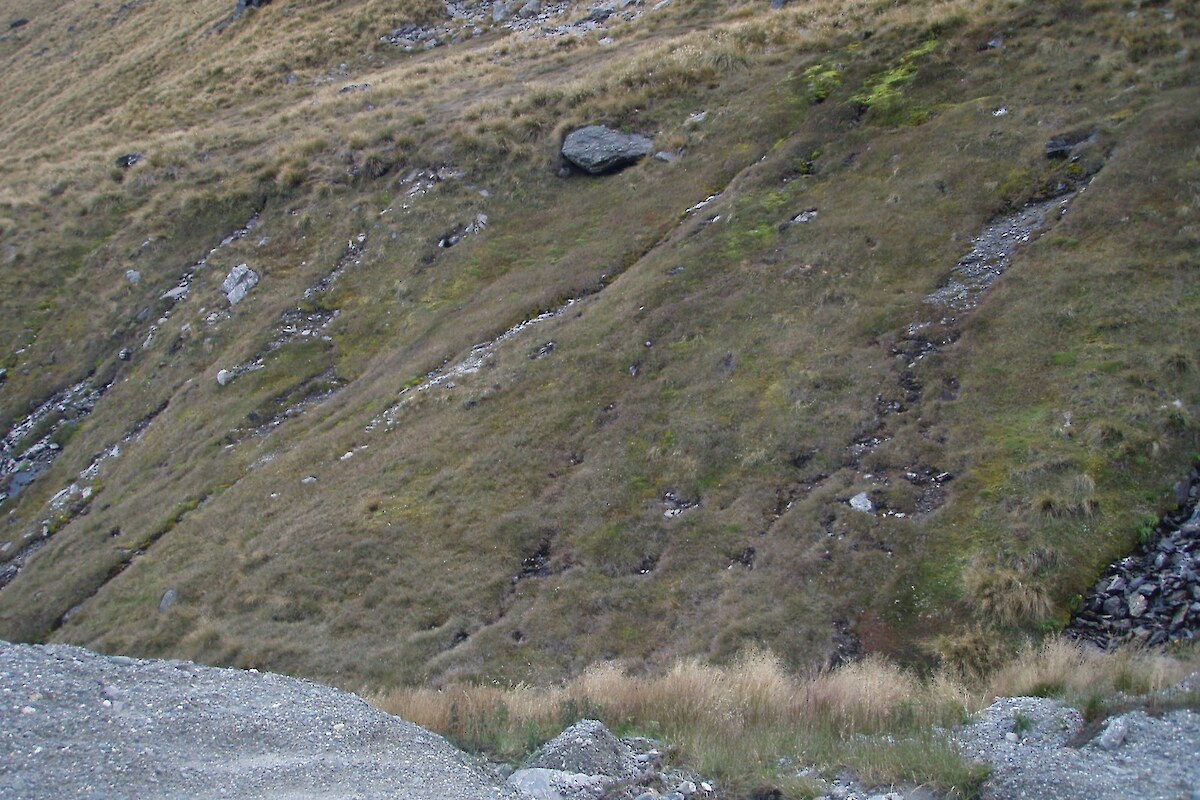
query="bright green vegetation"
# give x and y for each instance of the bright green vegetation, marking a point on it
(1065, 409)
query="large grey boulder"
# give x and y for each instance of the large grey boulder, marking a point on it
(240, 280)
(597, 149)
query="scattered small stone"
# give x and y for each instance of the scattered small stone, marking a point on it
(130, 160)
(666, 157)
(168, 599)
(354, 87)
(132, 275)
(224, 376)
(805, 217)
(308, 480)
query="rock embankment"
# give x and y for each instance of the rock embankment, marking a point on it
(77, 724)
(1152, 596)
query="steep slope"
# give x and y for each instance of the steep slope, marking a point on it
(896, 354)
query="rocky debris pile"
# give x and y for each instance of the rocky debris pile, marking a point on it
(597, 149)
(296, 324)
(587, 761)
(67, 504)
(184, 286)
(674, 504)
(1152, 596)
(460, 232)
(991, 254)
(77, 724)
(529, 18)
(28, 449)
(1040, 748)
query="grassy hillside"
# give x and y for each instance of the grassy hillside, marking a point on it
(672, 476)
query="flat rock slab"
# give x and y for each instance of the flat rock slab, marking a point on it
(77, 724)
(597, 149)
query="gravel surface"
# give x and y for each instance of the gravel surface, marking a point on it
(1035, 750)
(77, 724)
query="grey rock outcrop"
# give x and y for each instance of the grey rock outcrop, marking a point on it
(597, 149)
(238, 283)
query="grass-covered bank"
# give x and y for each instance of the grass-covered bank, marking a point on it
(752, 725)
(750, 357)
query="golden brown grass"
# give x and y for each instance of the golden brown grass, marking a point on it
(736, 722)
(733, 723)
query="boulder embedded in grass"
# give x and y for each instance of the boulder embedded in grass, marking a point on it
(597, 149)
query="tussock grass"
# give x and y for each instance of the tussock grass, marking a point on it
(732, 723)
(1077, 673)
(752, 724)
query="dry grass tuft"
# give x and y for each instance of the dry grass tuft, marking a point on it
(1062, 668)
(735, 723)
(1006, 595)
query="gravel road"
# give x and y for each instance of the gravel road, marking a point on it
(74, 724)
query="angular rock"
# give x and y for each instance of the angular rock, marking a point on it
(502, 10)
(590, 748)
(1114, 733)
(237, 284)
(555, 784)
(597, 149)
(862, 502)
